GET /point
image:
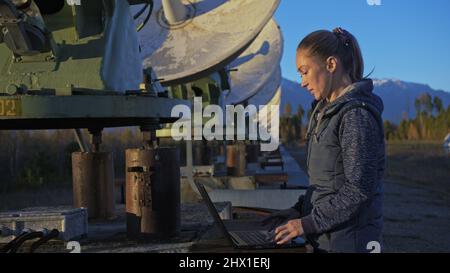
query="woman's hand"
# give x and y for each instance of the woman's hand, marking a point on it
(289, 231)
(277, 218)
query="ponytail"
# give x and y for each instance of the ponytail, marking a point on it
(339, 43)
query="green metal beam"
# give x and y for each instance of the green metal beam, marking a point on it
(84, 111)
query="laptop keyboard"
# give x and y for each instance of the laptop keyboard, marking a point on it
(253, 237)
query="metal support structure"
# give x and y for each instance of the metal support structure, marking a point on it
(152, 193)
(149, 139)
(174, 11)
(96, 139)
(152, 188)
(190, 165)
(93, 180)
(80, 140)
(236, 159)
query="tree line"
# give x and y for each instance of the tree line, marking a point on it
(431, 123)
(291, 125)
(35, 159)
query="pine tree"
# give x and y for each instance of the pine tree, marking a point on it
(287, 110)
(437, 102)
(300, 114)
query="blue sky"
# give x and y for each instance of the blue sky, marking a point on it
(402, 39)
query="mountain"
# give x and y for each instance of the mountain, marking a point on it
(398, 97)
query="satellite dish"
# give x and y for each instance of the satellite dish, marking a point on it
(268, 90)
(265, 120)
(267, 96)
(262, 98)
(256, 65)
(276, 100)
(187, 40)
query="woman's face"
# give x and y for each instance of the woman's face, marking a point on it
(316, 78)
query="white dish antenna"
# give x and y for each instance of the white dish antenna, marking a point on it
(256, 65)
(268, 90)
(186, 40)
(276, 100)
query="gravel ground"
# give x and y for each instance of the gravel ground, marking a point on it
(416, 219)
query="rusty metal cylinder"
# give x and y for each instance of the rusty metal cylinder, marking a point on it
(153, 193)
(236, 160)
(231, 151)
(93, 184)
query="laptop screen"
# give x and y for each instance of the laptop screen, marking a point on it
(212, 209)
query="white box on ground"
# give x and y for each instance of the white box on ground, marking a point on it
(71, 223)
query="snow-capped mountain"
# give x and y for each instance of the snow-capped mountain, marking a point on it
(398, 97)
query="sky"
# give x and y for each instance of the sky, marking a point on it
(407, 40)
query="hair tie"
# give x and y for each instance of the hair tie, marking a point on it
(343, 35)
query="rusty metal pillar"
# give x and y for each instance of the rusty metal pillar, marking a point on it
(236, 160)
(153, 192)
(93, 181)
(231, 151)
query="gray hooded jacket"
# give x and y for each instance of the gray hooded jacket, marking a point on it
(346, 161)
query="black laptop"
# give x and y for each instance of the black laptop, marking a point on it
(253, 236)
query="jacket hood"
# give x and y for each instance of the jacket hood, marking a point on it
(361, 91)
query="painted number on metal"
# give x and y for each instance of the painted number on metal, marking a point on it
(10, 107)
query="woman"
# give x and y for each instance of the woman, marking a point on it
(342, 209)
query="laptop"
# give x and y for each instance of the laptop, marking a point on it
(251, 235)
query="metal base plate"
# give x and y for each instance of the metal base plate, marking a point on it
(84, 111)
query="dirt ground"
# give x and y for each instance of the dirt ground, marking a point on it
(416, 214)
(416, 219)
